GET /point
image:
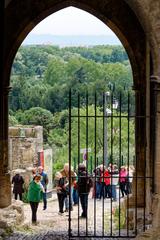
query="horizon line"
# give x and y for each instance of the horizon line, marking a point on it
(73, 34)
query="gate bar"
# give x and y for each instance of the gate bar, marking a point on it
(78, 153)
(69, 218)
(95, 160)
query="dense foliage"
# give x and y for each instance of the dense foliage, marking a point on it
(42, 77)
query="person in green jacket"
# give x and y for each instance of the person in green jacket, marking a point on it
(35, 195)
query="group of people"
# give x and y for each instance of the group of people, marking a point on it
(37, 189)
(103, 181)
(77, 185)
(107, 179)
(74, 186)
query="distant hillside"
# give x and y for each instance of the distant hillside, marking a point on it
(63, 41)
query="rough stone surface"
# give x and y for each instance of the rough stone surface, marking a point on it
(12, 215)
(24, 144)
(5, 190)
(151, 234)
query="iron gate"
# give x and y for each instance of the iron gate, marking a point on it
(102, 132)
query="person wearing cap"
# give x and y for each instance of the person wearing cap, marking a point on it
(35, 195)
(44, 182)
(18, 182)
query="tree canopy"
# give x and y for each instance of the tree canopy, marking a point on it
(41, 79)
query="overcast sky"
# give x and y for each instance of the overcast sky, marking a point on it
(72, 21)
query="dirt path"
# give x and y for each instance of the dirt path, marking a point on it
(96, 222)
(52, 224)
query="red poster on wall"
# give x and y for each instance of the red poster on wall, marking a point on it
(41, 159)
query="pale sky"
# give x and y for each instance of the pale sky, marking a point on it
(72, 21)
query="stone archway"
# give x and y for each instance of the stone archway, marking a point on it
(129, 22)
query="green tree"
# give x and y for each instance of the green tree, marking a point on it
(39, 116)
(55, 72)
(12, 120)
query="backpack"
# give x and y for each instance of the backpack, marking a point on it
(84, 181)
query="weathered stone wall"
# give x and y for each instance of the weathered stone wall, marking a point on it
(24, 144)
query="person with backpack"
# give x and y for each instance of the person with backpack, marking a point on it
(84, 184)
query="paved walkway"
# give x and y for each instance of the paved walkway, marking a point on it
(53, 226)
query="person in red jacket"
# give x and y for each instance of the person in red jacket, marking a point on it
(107, 180)
(122, 180)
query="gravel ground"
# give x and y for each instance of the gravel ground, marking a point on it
(52, 226)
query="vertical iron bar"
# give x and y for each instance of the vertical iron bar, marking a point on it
(70, 127)
(95, 159)
(104, 152)
(111, 158)
(120, 153)
(105, 113)
(91, 169)
(78, 153)
(122, 160)
(74, 161)
(87, 151)
(128, 153)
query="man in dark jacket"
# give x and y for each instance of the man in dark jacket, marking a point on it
(17, 182)
(84, 185)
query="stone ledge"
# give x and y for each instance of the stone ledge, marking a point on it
(151, 234)
(12, 215)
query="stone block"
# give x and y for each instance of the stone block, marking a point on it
(12, 215)
(24, 146)
(30, 132)
(13, 131)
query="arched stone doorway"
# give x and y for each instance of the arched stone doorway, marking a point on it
(128, 20)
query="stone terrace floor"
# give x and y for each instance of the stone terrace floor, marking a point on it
(52, 226)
